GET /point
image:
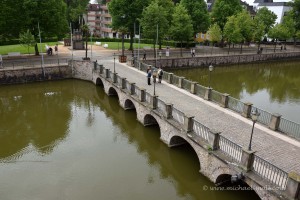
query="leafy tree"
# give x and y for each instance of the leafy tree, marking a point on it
(154, 22)
(279, 31)
(199, 14)
(27, 39)
(258, 29)
(74, 11)
(181, 27)
(125, 13)
(223, 9)
(85, 29)
(215, 34)
(244, 22)
(232, 31)
(296, 13)
(266, 17)
(288, 23)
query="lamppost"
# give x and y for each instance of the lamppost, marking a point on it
(114, 62)
(210, 68)
(159, 53)
(91, 45)
(154, 79)
(254, 116)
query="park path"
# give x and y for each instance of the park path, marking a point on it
(280, 150)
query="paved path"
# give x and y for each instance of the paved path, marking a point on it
(274, 147)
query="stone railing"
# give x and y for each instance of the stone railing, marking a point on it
(212, 140)
(273, 121)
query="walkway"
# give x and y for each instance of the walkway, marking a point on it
(274, 147)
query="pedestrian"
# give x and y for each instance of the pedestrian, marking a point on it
(144, 57)
(56, 49)
(193, 52)
(50, 51)
(154, 75)
(160, 74)
(149, 75)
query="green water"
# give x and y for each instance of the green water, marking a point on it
(68, 140)
(273, 87)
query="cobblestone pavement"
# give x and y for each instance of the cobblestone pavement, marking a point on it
(274, 147)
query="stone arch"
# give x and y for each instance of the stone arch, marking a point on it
(129, 105)
(177, 141)
(99, 82)
(149, 120)
(112, 92)
(220, 173)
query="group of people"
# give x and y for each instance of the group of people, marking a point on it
(154, 73)
(50, 50)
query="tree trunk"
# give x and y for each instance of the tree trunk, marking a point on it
(181, 48)
(36, 49)
(123, 44)
(275, 46)
(131, 41)
(86, 45)
(229, 48)
(241, 51)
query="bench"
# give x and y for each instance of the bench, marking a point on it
(146, 47)
(14, 54)
(98, 43)
(105, 45)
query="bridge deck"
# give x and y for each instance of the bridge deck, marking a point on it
(274, 147)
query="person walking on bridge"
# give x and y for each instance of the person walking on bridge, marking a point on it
(149, 74)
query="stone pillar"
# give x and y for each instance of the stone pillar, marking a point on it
(247, 159)
(180, 81)
(115, 77)
(292, 189)
(106, 73)
(123, 83)
(193, 87)
(168, 110)
(153, 102)
(213, 139)
(275, 121)
(247, 110)
(95, 66)
(132, 88)
(170, 78)
(143, 95)
(101, 69)
(188, 123)
(207, 95)
(224, 101)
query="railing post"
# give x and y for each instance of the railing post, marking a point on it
(275, 121)
(247, 160)
(180, 81)
(153, 102)
(123, 83)
(169, 110)
(213, 139)
(101, 69)
(224, 101)
(132, 88)
(143, 95)
(207, 95)
(188, 123)
(292, 189)
(95, 66)
(193, 87)
(106, 73)
(247, 110)
(115, 77)
(170, 78)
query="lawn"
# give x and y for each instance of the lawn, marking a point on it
(4, 50)
(118, 45)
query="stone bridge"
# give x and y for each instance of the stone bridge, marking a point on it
(220, 158)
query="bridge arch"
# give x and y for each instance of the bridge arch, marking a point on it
(149, 120)
(129, 105)
(99, 82)
(112, 92)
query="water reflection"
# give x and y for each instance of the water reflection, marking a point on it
(277, 83)
(94, 149)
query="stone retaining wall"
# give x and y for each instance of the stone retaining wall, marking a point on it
(35, 74)
(222, 60)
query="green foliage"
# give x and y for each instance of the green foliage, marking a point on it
(258, 29)
(181, 28)
(199, 14)
(75, 9)
(244, 22)
(223, 9)
(296, 13)
(27, 39)
(279, 32)
(215, 34)
(266, 17)
(232, 31)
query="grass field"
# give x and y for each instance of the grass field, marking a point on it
(4, 50)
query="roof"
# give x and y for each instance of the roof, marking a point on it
(93, 7)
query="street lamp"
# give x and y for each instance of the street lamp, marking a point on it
(114, 62)
(210, 68)
(254, 116)
(159, 53)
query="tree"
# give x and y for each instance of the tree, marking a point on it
(244, 22)
(223, 9)
(154, 23)
(232, 32)
(266, 17)
(258, 29)
(181, 27)
(27, 39)
(85, 29)
(215, 34)
(279, 31)
(74, 11)
(199, 14)
(296, 13)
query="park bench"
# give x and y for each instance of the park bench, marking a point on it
(98, 43)
(12, 54)
(105, 45)
(146, 47)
